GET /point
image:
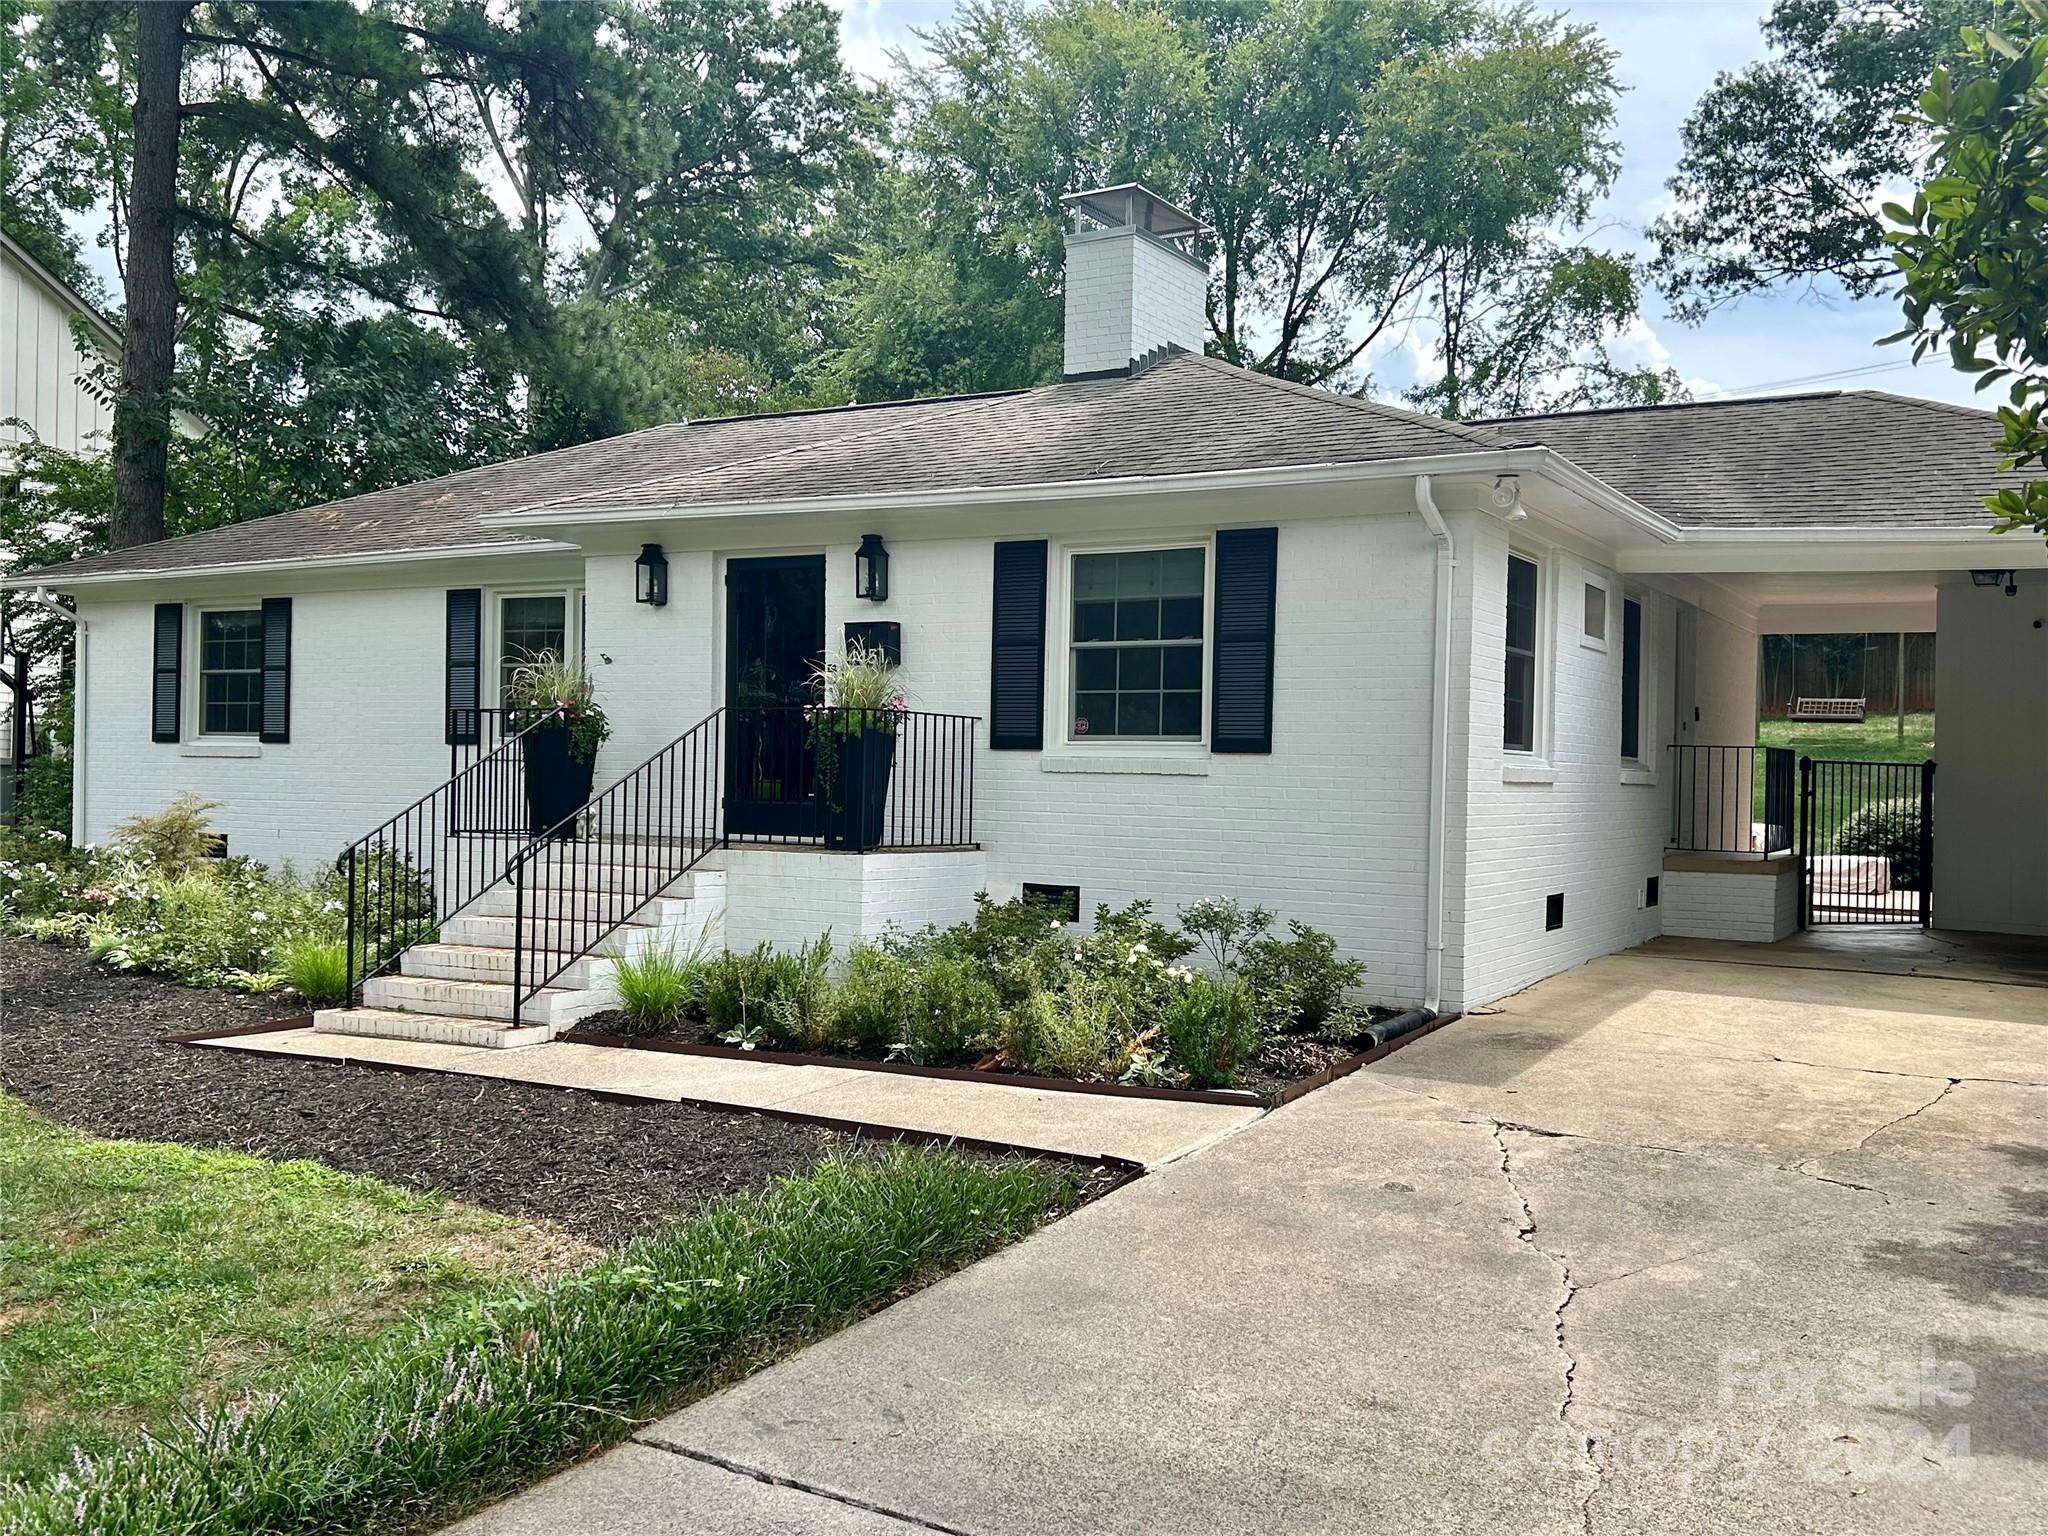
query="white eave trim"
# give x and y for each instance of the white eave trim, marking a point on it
(1536, 460)
(57, 581)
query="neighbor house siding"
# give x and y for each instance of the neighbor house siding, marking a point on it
(1561, 819)
(42, 370)
(366, 738)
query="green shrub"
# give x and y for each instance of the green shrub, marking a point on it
(317, 969)
(1072, 1033)
(1298, 981)
(1224, 927)
(1211, 1027)
(45, 803)
(174, 838)
(657, 985)
(473, 1405)
(740, 991)
(1889, 829)
(805, 1009)
(878, 993)
(954, 1006)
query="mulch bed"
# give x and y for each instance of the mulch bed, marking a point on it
(81, 1043)
(1283, 1063)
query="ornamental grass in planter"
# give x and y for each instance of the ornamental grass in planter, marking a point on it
(560, 725)
(853, 731)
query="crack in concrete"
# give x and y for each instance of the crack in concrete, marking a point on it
(774, 1480)
(1525, 1232)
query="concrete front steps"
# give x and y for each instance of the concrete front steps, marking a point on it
(458, 989)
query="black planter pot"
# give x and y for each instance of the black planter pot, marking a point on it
(856, 789)
(557, 784)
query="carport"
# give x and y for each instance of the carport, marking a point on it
(1742, 814)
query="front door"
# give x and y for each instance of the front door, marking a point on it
(774, 637)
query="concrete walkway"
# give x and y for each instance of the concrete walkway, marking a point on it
(1659, 1246)
(1146, 1131)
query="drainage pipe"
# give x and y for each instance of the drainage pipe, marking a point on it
(1439, 746)
(42, 599)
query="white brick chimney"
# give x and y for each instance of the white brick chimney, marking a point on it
(1133, 281)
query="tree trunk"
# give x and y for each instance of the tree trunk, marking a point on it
(142, 415)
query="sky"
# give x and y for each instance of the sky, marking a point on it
(1668, 53)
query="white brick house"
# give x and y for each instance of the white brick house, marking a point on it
(1416, 682)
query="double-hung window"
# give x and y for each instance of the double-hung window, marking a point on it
(1519, 729)
(1137, 644)
(231, 672)
(530, 627)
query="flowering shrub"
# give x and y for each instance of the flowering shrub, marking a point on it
(214, 923)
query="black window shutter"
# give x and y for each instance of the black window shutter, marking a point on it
(465, 665)
(1241, 713)
(1016, 713)
(163, 681)
(277, 670)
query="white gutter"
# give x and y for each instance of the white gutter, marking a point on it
(42, 599)
(1439, 746)
(301, 563)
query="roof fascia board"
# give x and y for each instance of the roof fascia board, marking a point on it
(1871, 549)
(57, 581)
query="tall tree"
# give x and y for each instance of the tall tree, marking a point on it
(142, 408)
(1973, 246)
(1369, 166)
(1786, 162)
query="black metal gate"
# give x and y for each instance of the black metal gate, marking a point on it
(1866, 842)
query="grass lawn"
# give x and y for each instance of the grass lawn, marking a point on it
(137, 1277)
(1874, 741)
(140, 1277)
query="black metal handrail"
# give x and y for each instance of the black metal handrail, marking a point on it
(1732, 799)
(857, 780)
(431, 860)
(591, 872)
(474, 734)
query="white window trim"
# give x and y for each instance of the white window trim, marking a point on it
(494, 629)
(1537, 755)
(1062, 740)
(1611, 613)
(194, 733)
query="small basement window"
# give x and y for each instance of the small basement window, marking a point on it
(1136, 644)
(1063, 899)
(231, 672)
(1553, 911)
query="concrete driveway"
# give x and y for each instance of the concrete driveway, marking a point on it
(1661, 1245)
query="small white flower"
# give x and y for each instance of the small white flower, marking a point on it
(1057, 925)
(259, 916)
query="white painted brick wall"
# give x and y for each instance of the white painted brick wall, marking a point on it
(1748, 908)
(367, 726)
(1125, 295)
(1329, 829)
(1585, 833)
(788, 897)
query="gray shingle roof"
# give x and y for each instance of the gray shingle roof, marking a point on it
(1858, 458)
(1808, 460)
(1185, 415)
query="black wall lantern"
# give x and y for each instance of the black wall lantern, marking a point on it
(650, 576)
(2008, 579)
(871, 569)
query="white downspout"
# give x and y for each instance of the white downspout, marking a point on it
(1439, 745)
(42, 599)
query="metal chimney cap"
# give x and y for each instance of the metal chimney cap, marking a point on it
(1132, 205)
